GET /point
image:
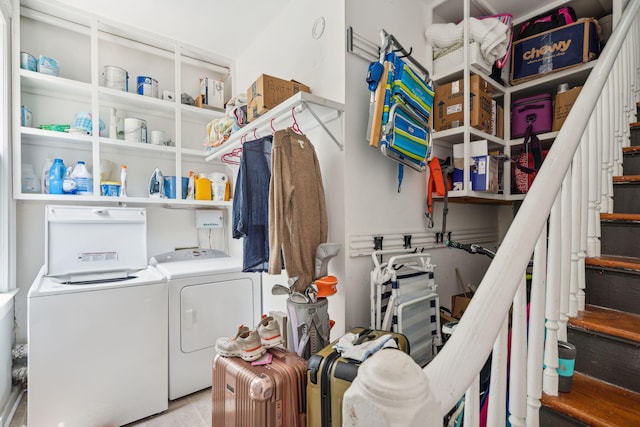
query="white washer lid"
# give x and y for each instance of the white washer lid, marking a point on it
(46, 285)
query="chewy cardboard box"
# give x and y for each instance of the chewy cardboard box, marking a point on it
(562, 105)
(555, 50)
(267, 92)
(448, 105)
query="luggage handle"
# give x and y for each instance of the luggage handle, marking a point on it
(529, 107)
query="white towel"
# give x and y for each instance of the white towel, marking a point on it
(492, 35)
(361, 352)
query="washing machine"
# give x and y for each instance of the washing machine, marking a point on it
(209, 297)
(96, 322)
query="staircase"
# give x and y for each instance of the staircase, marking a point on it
(606, 383)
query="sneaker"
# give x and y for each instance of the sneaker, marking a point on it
(246, 345)
(269, 332)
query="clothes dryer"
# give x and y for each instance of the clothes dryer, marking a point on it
(209, 297)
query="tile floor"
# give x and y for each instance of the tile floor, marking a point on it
(193, 410)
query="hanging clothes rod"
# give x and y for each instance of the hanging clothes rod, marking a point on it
(320, 109)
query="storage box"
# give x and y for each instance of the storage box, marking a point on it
(535, 110)
(267, 92)
(448, 105)
(459, 304)
(455, 60)
(484, 171)
(26, 117)
(211, 93)
(563, 103)
(555, 50)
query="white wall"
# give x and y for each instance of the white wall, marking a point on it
(287, 49)
(373, 205)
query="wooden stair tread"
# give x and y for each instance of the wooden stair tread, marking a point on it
(610, 322)
(626, 179)
(613, 261)
(632, 149)
(626, 217)
(596, 403)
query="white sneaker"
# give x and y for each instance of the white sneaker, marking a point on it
(246, 345)
(269, 332)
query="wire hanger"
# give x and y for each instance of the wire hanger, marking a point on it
(273, 130)
(255, 133)
(295, 126)
(232, 157)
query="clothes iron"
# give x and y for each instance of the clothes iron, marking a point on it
(156, 184)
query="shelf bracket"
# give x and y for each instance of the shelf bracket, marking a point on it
(321, 123)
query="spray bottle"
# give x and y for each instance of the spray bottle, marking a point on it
(123, 181)
(191, 186)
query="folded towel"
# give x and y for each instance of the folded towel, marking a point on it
(492, 35)
(361, 352)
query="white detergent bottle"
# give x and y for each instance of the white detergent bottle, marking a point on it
(123, 181)
(44, 178)
(83, 179)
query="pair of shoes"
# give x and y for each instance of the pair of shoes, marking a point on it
(269, 332)
(248, 344)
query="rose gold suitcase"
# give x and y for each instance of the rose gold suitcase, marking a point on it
(270, 395)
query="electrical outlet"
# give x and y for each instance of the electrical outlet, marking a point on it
(209, 219)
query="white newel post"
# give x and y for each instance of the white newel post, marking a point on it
(498, 390)
(536, 331)
(518, 367)
(565, 255)
(552, 309)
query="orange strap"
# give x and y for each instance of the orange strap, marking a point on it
(436, 183)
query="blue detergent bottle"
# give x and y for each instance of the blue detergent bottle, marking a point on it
(57, 173)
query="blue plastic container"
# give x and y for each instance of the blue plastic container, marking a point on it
(170, 187)
(56, 176)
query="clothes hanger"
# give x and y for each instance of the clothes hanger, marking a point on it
(295, 126)
(273, 130)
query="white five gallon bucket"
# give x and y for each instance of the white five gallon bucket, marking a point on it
(135, 130)
(115, 78)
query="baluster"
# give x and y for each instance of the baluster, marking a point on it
(472, 404)
(584, 214)
(576, 217)
(498, 389)
(593, 167)
(517, 369)
(594, 125)
(552, 299)
(536, 331)
(565, 254)
(606, 151)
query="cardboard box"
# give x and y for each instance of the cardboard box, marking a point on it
(211, 93)
(448, 105)
(497, 120)
(500, 122)
(555, 50)
(563, 103)
(459, 304)
(267, 92)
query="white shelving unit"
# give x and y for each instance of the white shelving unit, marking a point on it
(447, 11)
(308, 110)
(83, 45)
